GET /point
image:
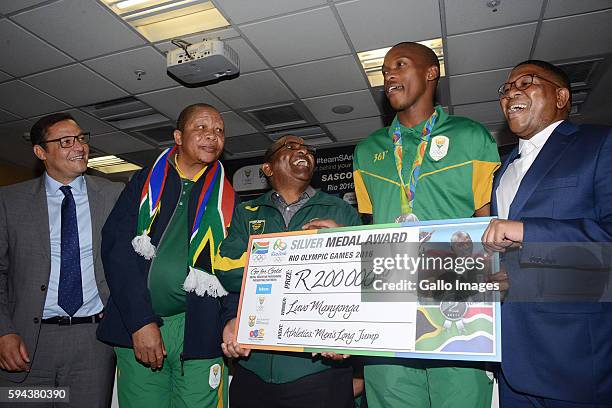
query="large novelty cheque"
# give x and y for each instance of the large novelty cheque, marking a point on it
(418, 290)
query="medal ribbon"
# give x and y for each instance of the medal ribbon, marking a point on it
(407, 193)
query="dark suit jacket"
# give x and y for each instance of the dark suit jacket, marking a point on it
(129, 307)
(25, 254)
(552, 349)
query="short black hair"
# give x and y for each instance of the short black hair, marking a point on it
(554, 70)
(188, 111)
(429, 56)
(38, 132)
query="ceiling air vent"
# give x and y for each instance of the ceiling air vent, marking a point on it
(318, 141)
(581, 72)
(162, 135)
(312, 135)
(279, 116)
(311, 132)
(126, 113)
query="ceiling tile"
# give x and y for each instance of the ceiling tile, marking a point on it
(82, 29)
(76, 85)
(559, 8)
(235, 125)
(241, 11)
(143, 158)
(249, 61)
(9, 6)
(317, 32)
(21, 46)
(118, 142)
(91, 124)
(361, 101)
(471, 15)
(478, 87)
(491, 49)
(20, 98)
(258, 88)
(321, 77)
(14, 148)
(382, 23)
(87, 122)
(4, 76)
(7, 116)
(354, 130)
(121, 67)
(485, 112)
(172, 101)
(247, 143)
(380, 99)
(222, 34)
(442, 92)
(577, 36)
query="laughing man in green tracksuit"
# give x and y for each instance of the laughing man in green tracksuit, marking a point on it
(277, 379)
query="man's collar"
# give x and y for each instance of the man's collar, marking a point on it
(310, 192)
(173, 159)
(52, 185)
(442, 115)
(539, 139)
(307, 194)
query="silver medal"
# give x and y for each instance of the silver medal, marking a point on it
(406, 218)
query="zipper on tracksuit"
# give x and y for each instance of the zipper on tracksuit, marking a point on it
(151, 264)
(285, 229)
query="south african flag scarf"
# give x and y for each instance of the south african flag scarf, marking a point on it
(213, 214)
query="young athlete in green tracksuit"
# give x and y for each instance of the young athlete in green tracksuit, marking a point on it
(427, 165)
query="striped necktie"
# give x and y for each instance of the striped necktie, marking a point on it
(70, 290)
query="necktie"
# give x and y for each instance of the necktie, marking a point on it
(70, 290)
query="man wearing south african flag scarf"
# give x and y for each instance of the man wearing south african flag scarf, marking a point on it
(167, 307)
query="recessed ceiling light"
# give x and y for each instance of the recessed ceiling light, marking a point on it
(111, 164)
(342, 109)
(122, 5)
(162, 19)
(371, 61)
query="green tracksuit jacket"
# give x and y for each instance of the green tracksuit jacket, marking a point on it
(260, 216)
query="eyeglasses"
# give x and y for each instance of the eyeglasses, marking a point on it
(521, 83)
(67, 142)
(294, 146)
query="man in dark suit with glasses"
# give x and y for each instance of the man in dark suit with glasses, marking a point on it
(52, 286)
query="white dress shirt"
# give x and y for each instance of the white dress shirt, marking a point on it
(512, 177)
(92, 304)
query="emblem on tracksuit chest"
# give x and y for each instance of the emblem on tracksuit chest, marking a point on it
(257, 227)
(438, 148)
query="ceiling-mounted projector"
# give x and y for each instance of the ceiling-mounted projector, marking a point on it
(206, 61)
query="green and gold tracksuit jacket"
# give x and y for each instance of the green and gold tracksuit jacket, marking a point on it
(260, 216)
(455, 178)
